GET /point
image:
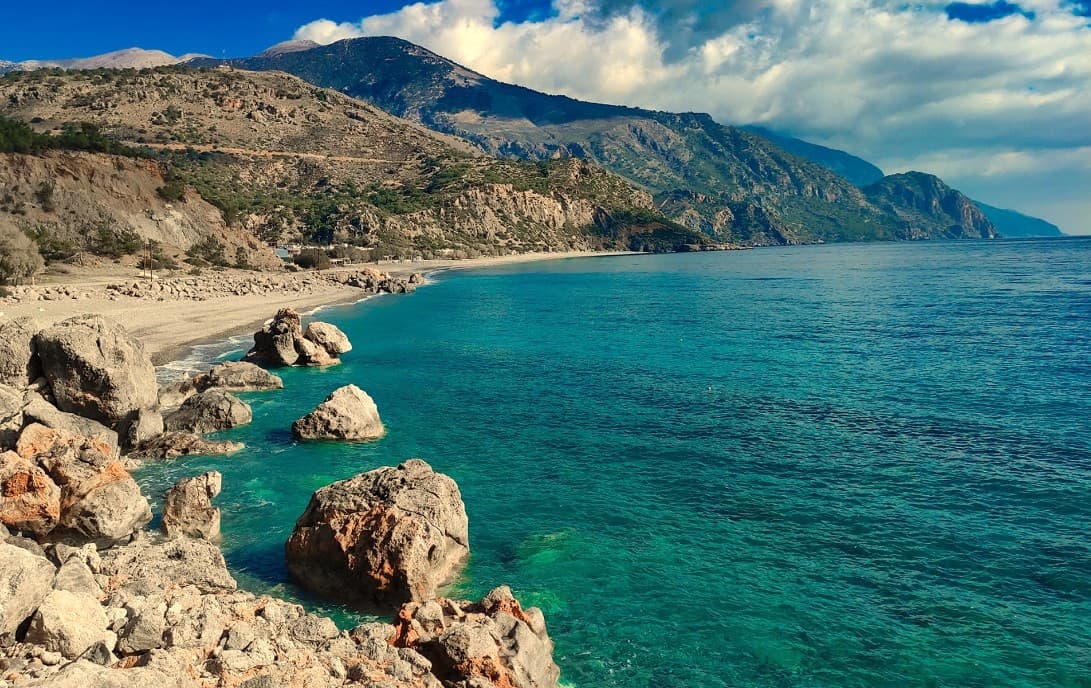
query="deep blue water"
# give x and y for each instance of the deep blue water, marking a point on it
(854, 465)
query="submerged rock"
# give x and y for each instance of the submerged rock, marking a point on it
(209, 411)
(346, 414)
(381, 538)
(96, 369)
(188, 510)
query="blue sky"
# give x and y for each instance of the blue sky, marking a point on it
(994, 96)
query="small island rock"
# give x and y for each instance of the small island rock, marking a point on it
(188, 510)
(381, 538)
(349, 413)
(329, 337)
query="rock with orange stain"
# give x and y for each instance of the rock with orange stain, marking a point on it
(381, 538)
(30, 502)
(99, 500)
(494, 640)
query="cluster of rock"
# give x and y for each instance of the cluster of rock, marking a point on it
(90, 598)
(283, 342)
(222, 285)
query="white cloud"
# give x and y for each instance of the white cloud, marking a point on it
(899, 84)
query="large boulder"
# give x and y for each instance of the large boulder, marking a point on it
(241, 376)
(188, 510)
(40, 411)
(19, 364)
(171, 445)
(346, 414)
(329, 337)
(155, 564)
(30, 502)
(274, 343)
(100, 501)
(209, 411)
(381, 538)
(96, 369)
(25, 581)
(282, 342)
(70, 623)
(144, 426)
(492, 642)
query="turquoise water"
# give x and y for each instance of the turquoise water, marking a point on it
(819, 466)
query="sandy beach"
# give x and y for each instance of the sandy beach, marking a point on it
(168, 324)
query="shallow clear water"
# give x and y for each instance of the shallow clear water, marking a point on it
(819, 466)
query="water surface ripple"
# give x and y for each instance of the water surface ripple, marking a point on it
(817, 466)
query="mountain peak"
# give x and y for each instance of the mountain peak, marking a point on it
(285, 47)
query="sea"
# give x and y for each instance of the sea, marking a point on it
(839, 465)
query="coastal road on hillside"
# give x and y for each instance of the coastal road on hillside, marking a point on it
(206, 148)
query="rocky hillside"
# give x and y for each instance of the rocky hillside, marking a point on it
(929, 208)
(285, 160)
(724, 181)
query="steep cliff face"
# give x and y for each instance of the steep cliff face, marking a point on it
(72, 195)
(928, 207)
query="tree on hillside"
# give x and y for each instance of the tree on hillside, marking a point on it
(19, 257)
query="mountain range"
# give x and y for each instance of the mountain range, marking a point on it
(743, 185)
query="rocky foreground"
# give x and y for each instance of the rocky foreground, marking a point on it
(89, 597)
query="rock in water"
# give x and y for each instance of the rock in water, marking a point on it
(171, 445)
(494, 639)
(240, 376)
(329, 337)
(30, 502)
(346, 414)
(381, 538)
(209, 411)
(19, 364)
(188, 510)
(25, 582)
(274, 344)
(96, 369)
(282, 342)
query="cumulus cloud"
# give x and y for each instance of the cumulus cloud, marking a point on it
(904, 85)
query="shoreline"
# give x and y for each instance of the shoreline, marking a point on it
(171, 327)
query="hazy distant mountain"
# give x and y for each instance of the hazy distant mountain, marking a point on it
(130, 58)
(930, 208)
(725, 181)
(1015, 224)
(857, 170)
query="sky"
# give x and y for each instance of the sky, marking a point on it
(994, 97)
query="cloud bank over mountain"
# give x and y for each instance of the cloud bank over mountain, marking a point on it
(992, 96)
